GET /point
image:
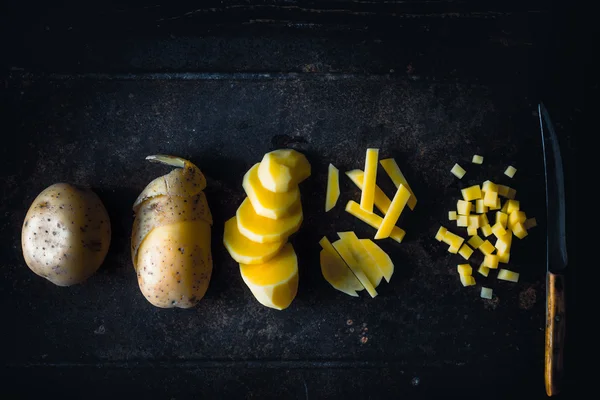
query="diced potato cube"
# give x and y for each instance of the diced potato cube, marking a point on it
(490, 261)
(474, 221)
(465, 269)
(503, 190)
(467, 280)
(504, 242)
(452, 215)
(504, 257)
(462, 221)
(510, 171)
(480, 208)
(512, 193)
(483, 271)
(393, 170)
(502, 218)
(475, 241)
(471, 231)
(530, 223)
(483, 220)
(507, 275)
(486, 230)
(477, 159)
(454, 241)
(486, 293)
(519, 230)
(458, 171)
(487, 248)
(513, 205)
(516, 216)
(465, 251)
(498, 204)
(439, 236)
(490, 199)
(498, 230)
(489, 186)
(464, 207)
(471, 193)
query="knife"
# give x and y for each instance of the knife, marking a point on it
(556, 254)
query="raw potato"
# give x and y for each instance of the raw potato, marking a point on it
(275, 283)
(382, 259)
(171, 237)
(343, 249)
(333, 187)
(374, 220)
(365, 261)
(382, 202)
(282, 170)
(393, 170)
(265, 202)
(391, 217)
(336, 272)
(266, 230)
(66, 234)
(458, 171)
(367, 197)
(244, 250)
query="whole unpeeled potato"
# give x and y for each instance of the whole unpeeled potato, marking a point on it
(170, 241)
(66, 234)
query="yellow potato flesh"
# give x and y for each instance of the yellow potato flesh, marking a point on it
(273, 283)
(471, 193)
(333, 187)
(336, 272)
(439, 236)
(507, 275)
(365, 261)
(475, 241)
(382, 202)
(393, 170)
(343, 249)
(367, 197)
(374, 220)
(282, 170)
(391, 217)
(382, 259)
(486, 248)
(266, 230)
(174, 264)
(245, 251)
(464, 207)
(465, 251)
(491, 198)
(458, 171)
(265, 202)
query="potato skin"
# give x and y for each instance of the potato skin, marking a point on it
(66, 234)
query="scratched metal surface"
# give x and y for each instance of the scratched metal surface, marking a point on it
(97, 131)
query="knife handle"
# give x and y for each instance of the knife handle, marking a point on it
(555, 331)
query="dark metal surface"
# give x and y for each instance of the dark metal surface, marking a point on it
(556, 243)
(86, 104)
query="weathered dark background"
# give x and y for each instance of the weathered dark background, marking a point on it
(88, 90)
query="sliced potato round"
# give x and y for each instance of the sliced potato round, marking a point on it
(282, 170)
(245, 251)
(266, 230)
(266, 203)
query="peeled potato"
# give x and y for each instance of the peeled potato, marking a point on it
(282, 170)
(245, 251)
(274, 283)
(170, 243)
(266, 230)
(66, 234)
(266, 203)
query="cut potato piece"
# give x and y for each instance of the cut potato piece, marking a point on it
(480, 208)
(465, 269)
(519, 230)
(465, 251)
(491, 199)
(336, 272)
(486, 293)
(530, 223)
(374, 220)
(274, 283)
(463, 207)
(503, 243)
(365, 261)
(477, 159)
(245, 251)
(503, 190)
(489, 186)
(507, 275)
(490, 261)
(453, 241)
(498, 230)
(266, 203)
(498, 205)
(282, 170)
(458, 171)
(439, 236)
(391, 217)
(452, 215)
(260, 229)
(502, 219)
(471, 231)
(471, 193)
(483, 220)
(485, 271)
(512, 205)
(467, 280)
(504, 257)
(382, 202)
(462, 221)
(516, 216)
(367, 197)
(393, 170)
(383, 261)
(486, 248)
(504, 208)
(474, 221)
(343, 249)
(510, 171)
(475, 241)
(486, 230)
(333, 187)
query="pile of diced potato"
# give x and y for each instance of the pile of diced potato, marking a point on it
(471, 213)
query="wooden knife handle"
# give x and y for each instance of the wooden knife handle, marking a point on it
(555, 332)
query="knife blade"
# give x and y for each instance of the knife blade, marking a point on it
(556, 254)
